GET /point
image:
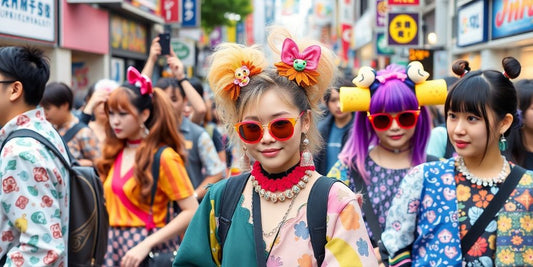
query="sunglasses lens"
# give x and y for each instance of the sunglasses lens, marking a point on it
(381, 121)
(250, 132)
(281, 129)
(407, 119)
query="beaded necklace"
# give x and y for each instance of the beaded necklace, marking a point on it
(490, 181)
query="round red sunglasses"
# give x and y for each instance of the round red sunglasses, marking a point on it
(382, 121)
(251, 132)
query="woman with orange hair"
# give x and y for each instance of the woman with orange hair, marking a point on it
(140, 122)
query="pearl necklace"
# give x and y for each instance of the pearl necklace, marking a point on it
(282, 196)
(490, 181)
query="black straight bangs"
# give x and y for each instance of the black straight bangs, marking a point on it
(469, 95)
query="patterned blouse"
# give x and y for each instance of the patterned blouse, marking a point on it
(348, 243)
(381, 190)
(84, 145)
(34, 196)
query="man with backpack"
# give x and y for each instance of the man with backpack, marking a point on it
(34, 217)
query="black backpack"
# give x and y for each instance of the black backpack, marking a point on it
(317, 205)
(89, 221)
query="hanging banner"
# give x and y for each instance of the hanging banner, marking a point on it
(190, 13)
(170, 11)
(403, 29)
(346, 40)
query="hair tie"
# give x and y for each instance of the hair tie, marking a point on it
(505, 74)
(299, 67)
(140, 80)
(466, 71)
(242, 76)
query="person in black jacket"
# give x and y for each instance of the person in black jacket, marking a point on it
(334, 128)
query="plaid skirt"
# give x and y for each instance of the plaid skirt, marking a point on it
(122, 239)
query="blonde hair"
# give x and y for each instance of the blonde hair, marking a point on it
(228, 57)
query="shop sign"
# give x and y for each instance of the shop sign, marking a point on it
(403, 29)
(404, 2)
(190, 13)
(346, 39)
(128, 35)
(184, 49)
(425, 57)
(151, 6)
(471, 24)
(511, 17)
(170, 10)
(381, 45)
(31, 19)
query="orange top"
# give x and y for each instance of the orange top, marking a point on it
(123, 196)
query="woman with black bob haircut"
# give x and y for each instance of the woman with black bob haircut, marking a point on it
(452, 204)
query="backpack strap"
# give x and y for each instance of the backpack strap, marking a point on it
(155, 173)
(494, 206)
(317, 207)
(228, 203)
(73, 131)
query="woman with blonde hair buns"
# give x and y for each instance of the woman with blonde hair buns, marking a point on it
(271, 113)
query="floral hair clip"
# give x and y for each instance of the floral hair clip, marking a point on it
(242, 78)
(140, 80)
(299, 66)
(415, 77)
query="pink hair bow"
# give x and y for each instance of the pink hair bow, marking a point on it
(393, 75)
(307, 60)
(140, 80)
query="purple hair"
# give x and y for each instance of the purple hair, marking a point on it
(391, 96)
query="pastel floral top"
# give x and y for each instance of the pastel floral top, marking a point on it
(348, 243)
(34, 196)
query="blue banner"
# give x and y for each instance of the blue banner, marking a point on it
(510, 18)
(190, 13)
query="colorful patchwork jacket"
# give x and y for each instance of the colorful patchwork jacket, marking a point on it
(422, 226)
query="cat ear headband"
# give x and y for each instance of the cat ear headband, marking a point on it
(299, 67)
(367, 82)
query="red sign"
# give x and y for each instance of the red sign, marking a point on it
(404, 2)
(249, 29)
(346, 39)
(170, 11)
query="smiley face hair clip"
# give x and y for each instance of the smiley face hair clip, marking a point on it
(299, 67)
(367, 82)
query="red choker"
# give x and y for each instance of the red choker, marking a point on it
(133, 142)
(288, 186)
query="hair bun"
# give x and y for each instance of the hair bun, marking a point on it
(512, 67)
(461, 67)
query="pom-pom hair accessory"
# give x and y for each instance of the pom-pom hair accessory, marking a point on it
(139, 80)
(242, 76)
(367, 82)
(299, 67)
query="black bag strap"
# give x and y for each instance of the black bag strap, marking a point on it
(260, 257)
(43, 140)
(317, 207)
(73, 131)
(494, 206)
(155, 173)
(228, 203)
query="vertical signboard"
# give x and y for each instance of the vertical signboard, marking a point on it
(170, 11)
(190, 13)
(381, 13)
(403, 29)
(471, 24)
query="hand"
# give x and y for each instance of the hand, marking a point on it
(135, 255)
(176, 66)
(155, 49)
(97, 98)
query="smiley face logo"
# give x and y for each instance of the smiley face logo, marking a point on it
(403, 29)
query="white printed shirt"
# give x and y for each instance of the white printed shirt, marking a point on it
(34, 197)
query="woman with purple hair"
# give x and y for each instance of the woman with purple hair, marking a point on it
(389, 137)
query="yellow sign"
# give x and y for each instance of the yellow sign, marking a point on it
(403, 29)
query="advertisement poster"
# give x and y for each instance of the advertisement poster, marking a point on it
(511, 17)
(403, 29)
(471, 24)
